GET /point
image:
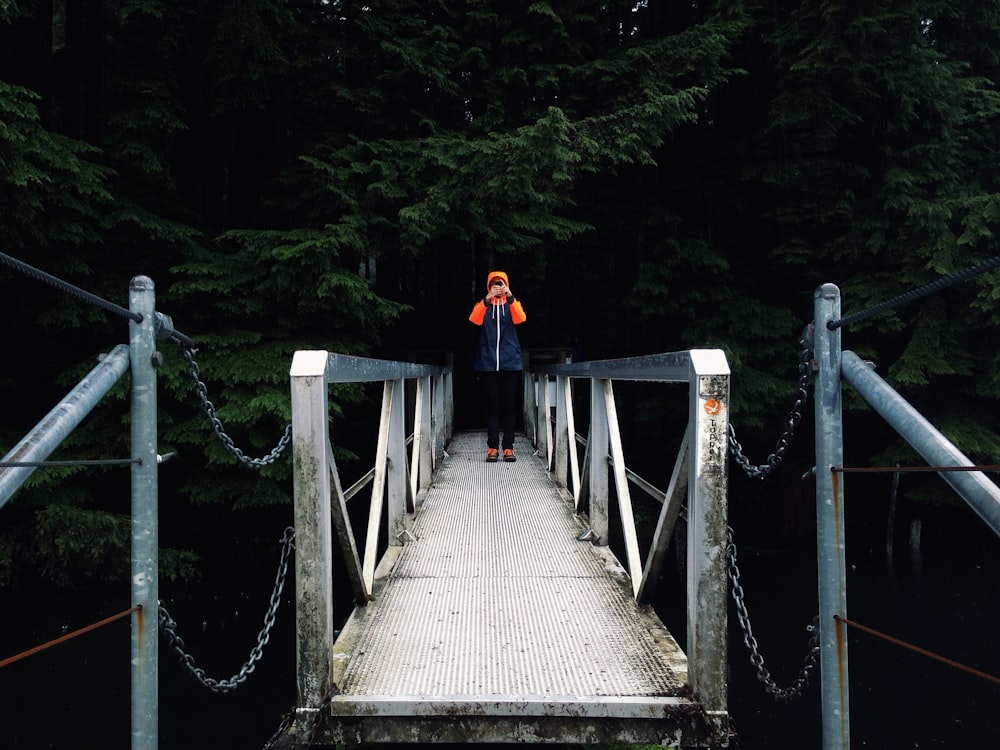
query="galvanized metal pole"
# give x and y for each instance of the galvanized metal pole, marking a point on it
(831, 559)
(65, 417)
(145, 536)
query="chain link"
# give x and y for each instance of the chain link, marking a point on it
(811, 661)
(792, 421)
(309, 732)
(169, 628)
(286, 722)
(209, 408)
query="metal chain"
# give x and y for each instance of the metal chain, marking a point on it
(792, 421)
(286, 722)
(309, 733)
(169, 628)
(811, 661)
(209, 408)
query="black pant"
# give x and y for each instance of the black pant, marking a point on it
(501, 394)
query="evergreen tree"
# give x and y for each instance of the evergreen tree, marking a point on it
(655, 176)
(883, 119)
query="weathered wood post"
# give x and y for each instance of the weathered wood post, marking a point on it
(708, 512)
(313, 535)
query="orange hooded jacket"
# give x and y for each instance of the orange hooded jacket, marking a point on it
(499, 347)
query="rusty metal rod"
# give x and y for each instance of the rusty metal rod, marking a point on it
(892, 469)
(63, 638)
(921, 651)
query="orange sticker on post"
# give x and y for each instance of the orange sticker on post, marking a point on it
(713, 406)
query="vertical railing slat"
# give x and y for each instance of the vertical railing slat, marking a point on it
(560, 438)
(631, 540)
(396, 486)
(597, 455)
(378, 487)
(673, 499)
(574, 458)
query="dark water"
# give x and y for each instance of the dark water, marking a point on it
(77, 694)
(943, 600)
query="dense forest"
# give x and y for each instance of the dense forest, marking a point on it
(654, 175)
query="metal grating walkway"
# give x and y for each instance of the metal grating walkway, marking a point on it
(495, 624)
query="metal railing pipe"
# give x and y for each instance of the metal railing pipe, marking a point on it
(346, 368)
(667, 367)
(46, 436)
(982, 495)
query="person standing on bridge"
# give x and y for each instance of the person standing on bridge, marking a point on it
(498, 361)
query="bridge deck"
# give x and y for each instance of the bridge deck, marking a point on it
(496, 624)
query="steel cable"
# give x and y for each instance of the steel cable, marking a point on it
(64, 286)
(913, 294)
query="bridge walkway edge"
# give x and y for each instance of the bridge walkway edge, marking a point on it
(495, 623)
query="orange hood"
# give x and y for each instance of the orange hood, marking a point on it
(496, 275)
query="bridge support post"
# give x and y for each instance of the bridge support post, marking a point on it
(313, 534)
(708, 513)
(830, 523)
(145, 536)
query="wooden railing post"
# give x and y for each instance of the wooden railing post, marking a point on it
(708, 504)
(313, 542)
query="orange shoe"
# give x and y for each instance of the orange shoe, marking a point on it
(508, 454)
(491, 455)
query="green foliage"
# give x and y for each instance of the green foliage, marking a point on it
(13, 9)
(73, 548)
(878, 132)
(51, 188)
(339, 176)
(489, 147)
(710, 306)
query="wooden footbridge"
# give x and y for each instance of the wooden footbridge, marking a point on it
(489, 606)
